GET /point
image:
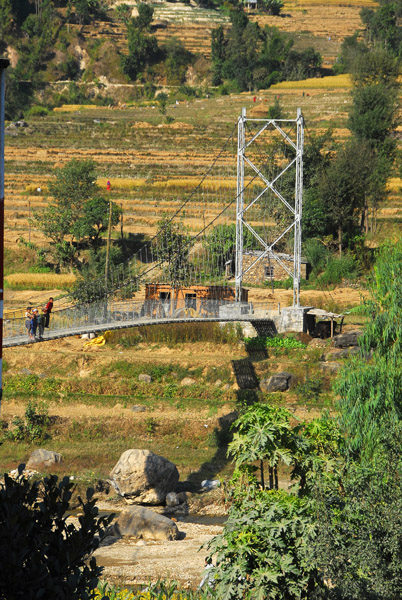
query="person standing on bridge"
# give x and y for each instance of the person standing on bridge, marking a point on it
(47, 310)
(41, 324)
(28, 316)
(33, 323)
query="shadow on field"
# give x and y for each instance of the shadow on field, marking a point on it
(247, 394)
(211, 468)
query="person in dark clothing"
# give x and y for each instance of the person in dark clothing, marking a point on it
(47, 311)
(34, 323)
(41, 324)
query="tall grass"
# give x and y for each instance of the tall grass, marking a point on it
(39, 281)
(177, 333)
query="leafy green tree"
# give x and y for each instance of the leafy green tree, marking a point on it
(372, 115)
(19, 94)
(5, 17)
(142, 48)
(383, 25)
(221, 246)
(171, 247)
(162, 99)
(218, 54)
(145, 16)
(263, 432)
(344, 189)
(78, 211)
(87, 9)
(272, 7)
(375, 66)
(241, 52)
(43, 554)
(177, 61)
(358, 542)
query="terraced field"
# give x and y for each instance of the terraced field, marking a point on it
(154, 166)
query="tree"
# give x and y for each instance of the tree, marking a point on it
(382, 25)
(177, 61)
(263, 432)
(19, 94)
(171, 247)
(344, 189)
(359, 534)
(87, 9)
(357, 544)
(372, 115)
(145, 16)
(272, 7)
(5, 17)
(218, 54)
(142, 48)
(221, 246)
(78, 211)
(41, 553)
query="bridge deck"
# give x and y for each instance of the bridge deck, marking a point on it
(54, 334)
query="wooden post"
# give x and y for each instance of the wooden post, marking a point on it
(109, 227)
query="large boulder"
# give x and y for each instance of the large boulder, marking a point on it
(280, 382)
(142, 523)
(345, 340)
(47, 458)
(142, 477)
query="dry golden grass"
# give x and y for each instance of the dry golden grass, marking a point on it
(330, 82)
(189, 183)
(40, 280)
(121, 183)
(75, 107)
(31, 188)
(394, 184)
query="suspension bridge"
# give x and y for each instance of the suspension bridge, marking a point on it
(239, 226)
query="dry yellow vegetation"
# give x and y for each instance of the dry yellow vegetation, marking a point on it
(331, 82)
(44, 281)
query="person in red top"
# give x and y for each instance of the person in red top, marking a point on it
(108, 186)
(47, 311)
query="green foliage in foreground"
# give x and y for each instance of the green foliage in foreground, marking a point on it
(273, 342)
(42, 554)
(262, 552)
(161, 590)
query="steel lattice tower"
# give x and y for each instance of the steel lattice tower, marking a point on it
(294, 206)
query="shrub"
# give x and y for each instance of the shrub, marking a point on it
(37, 111)
(33, 427)
(42, 554)
(288, 342)
(338, 269)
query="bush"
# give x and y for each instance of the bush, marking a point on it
(338, 269)
(42, 554)
(37, 111)
(33, 427)
(288, 342)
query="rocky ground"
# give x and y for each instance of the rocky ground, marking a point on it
(132, 562)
